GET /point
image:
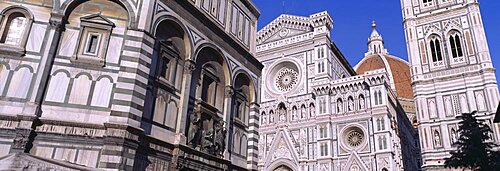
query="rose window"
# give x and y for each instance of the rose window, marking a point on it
(355, 138)
(286, 79)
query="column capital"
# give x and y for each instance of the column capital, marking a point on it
(189, 66)
(229, 92)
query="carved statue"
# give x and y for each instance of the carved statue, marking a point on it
(339, 106)
(453, 136)
(194, 136)
(282, 115)
(437, 139)
(362, 103)
(208, 141)
(271, 117)
(351, 104)
(220, 139)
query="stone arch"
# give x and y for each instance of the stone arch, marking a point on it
(178, 29)
(63, 71)
(218, 57)
(84, 73)
(276, 165)
(68, 6)
(22, 9)
(30, 68)
(243, 78)
(105, 77)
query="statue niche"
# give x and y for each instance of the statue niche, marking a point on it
(207, 134)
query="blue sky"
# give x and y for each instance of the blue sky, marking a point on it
(352, 23)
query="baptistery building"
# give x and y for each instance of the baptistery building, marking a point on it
(318, 113)
(128, 85)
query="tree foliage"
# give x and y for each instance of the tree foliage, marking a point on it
(474, 146)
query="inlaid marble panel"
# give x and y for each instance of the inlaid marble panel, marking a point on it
(68, 42)
(102, 93)
(80, 90)
(58, 87)
(36, 37)
(20, 83)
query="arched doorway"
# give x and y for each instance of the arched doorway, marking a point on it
(283, 168)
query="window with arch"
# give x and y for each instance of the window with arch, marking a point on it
(378, 97)
(323, 149)
(323, 131)
(16, 24)
(435, 46)
(380, 124)
(321, 52)
(456, 45)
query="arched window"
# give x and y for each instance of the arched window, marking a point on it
(382, 124)
(435, 45)
(16, 24)
(380, 147)
(378, 125)
(456, 45)
(380, 97)
(376, 97)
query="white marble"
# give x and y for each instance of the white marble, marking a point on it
(102, 93)
(20, 83)
(80, 90)
(57, 88)
(36, 38)
(114, 50)
(68, 42)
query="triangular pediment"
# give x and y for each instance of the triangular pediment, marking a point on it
(98, 19)
(284, 33)
(286, 26)
(282, 149)
(354, 162)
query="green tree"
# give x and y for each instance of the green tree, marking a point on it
(474, 148)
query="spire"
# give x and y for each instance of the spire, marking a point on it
(375, 42)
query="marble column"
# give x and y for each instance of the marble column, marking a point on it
(189, 68)
(228, 112)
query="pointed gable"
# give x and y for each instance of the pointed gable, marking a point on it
(354, 162)
(282, 149)
(97, 19)
(290, 25)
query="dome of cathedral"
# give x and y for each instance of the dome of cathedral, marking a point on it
(397, 68)
(378, 57)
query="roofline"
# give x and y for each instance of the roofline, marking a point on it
(342, 58)
(252, 7)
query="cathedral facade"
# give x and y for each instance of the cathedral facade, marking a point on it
(451, 71)
(318, 114)
(129, 84)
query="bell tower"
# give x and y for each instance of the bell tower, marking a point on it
(451, 70)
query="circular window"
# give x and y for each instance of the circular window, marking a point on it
(354, 137)
(286, 79)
